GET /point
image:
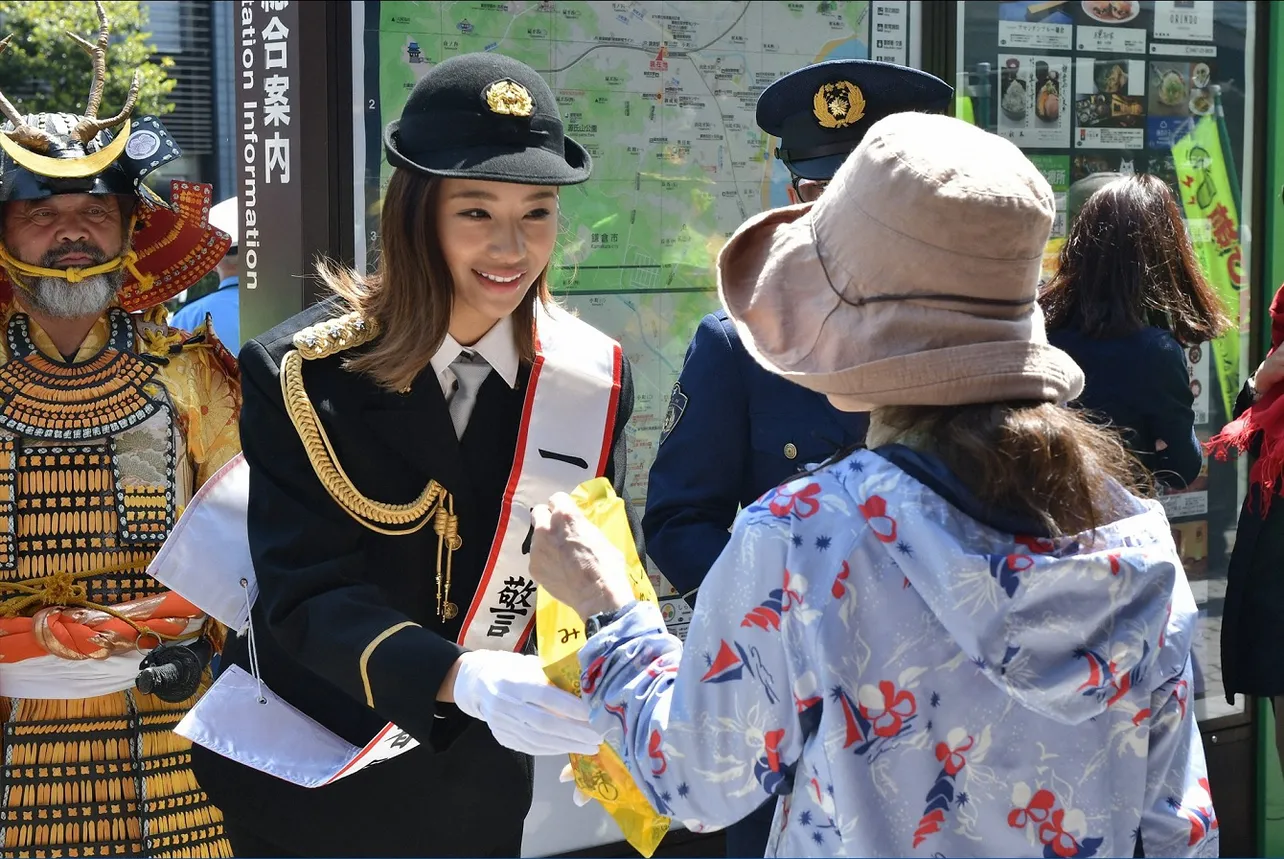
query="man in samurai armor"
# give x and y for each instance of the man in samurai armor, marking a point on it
(110, 420)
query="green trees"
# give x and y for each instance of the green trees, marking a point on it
(45, 70)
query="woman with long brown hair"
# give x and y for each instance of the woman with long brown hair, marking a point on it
(399, 434)
(1127, 299)
(969, 639)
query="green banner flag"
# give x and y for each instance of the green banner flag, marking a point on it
(1213, 219)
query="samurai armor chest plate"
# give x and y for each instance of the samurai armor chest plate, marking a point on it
(91, 464)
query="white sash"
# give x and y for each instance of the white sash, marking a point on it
(568, 421)
(206, 559)
(240, 718)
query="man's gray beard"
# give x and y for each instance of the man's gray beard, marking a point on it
(58, 297)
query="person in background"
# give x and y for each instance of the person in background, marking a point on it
(1080, 191)
(1254, 615)
(222, 306)
(1128, 296)
(972, 638)
(733, 430)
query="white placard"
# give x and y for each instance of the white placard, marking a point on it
(1027, 35)
(1192, 20)
(1197, 363)
(677, 615)
(1034, 111)
(1110, 40)
(1166, 50)
(889, 32)
(1110, 138)
(1185, 504)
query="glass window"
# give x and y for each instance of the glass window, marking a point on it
(165, 22)
(1128, 87)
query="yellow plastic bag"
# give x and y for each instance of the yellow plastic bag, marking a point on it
(559, 632)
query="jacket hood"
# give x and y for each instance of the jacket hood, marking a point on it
(1066, 626)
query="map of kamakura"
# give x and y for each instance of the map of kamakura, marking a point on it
(662, 94)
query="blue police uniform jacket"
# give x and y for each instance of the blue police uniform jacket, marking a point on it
(224, 307)
(733, 431)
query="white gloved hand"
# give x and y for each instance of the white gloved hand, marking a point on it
(510, 693)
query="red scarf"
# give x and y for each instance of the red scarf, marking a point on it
(1265, 420)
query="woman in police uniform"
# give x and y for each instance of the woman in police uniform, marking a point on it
(393, 433)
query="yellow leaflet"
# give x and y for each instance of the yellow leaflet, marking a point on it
(560, 635)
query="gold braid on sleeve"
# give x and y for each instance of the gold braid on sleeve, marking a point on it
(433, 505)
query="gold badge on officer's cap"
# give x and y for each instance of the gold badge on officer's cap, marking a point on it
(838, 105)
(509, 98)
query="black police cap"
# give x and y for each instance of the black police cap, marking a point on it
(485, 116)
(822, 111)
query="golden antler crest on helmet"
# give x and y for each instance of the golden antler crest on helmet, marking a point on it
(23, 134)
(87, 129)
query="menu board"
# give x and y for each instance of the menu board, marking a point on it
(1189, 21)
(1179, 92)
(1126, 87)
(1109, 103)
(1032, 110)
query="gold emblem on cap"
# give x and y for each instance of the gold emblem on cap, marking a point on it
(838, 105)
(509, 98)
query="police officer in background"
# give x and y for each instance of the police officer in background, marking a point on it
(733, 430)
(223, 305)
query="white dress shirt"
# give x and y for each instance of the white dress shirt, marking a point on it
(496, 346)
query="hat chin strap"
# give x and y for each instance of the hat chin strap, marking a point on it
(127, 260)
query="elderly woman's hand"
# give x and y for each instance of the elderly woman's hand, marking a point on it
(575, 562)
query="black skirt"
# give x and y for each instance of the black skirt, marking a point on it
(1253, 619)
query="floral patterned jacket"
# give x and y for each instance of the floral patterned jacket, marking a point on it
(911, 681)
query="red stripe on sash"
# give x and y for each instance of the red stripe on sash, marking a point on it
(612, 410)
(506, 509)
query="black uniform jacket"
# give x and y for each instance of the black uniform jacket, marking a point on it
(734, 431)
(330, 588)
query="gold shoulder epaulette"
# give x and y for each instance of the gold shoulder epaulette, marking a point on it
(335, 335)
(433, 505)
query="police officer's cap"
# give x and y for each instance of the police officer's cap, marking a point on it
(485, 116)
(821, 112)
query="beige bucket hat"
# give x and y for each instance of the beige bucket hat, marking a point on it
(912, 281)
